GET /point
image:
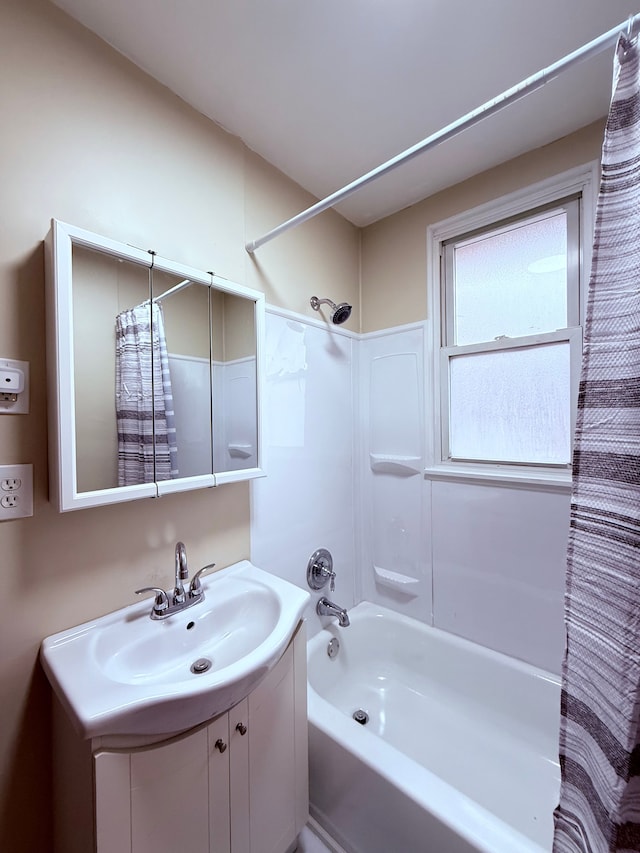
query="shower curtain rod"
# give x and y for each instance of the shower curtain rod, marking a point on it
(172, 290)
(510, 96)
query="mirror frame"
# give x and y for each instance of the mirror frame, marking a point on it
(60, 369)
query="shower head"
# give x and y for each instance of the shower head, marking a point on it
(339, 313)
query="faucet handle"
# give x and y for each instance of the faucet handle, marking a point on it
(326, 571)
(320, 570)
(195, 587)
(161, 602)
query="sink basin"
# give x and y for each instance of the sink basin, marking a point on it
(234, 622)
(126, 674)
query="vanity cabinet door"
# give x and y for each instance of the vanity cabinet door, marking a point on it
(239, 778)
(169, 796)
(112, 775)
(154, 799)
(274, 759)
(219, 788)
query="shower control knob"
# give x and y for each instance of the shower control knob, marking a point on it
(320, 569)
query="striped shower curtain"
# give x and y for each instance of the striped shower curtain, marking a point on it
(599, 809)
(147, 450)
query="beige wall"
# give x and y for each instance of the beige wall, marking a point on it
(89, 139)
(394, 261)
(310, 260)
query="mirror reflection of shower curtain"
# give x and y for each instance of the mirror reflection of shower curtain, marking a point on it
(147, 450)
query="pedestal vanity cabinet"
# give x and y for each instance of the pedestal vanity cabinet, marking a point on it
(236, 784)
(186, 734)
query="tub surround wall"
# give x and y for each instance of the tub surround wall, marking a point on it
(488, 560)
(91, 140)
(499, 568)
(394, 497)
(307, 499)
(345, 434)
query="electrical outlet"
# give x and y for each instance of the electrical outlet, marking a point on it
(11, 484)
(16, 491)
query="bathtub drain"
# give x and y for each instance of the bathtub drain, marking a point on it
(333, 648)
(361, 717)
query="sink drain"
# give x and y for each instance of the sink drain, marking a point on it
(200, 665)
(361, 717)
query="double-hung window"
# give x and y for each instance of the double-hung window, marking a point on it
(507, 336)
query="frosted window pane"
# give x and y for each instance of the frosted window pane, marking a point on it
(511, 406)
(512, 283)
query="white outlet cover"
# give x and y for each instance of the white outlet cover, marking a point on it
(21, 405)
(23, 494)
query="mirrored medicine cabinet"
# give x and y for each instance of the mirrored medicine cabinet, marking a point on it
(154, 373)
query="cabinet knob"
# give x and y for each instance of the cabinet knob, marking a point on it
(241, 728)
(220, 745)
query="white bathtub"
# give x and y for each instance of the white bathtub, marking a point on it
(460, 751)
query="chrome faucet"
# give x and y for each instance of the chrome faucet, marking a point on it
(164, 606)
(182, 573)
(324, 607)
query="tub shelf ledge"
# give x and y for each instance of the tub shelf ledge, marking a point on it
(397, 581)
(401, 466)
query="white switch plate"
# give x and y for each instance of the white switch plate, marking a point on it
(21, 405)
(16, 491)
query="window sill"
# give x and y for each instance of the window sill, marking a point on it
(497, 475)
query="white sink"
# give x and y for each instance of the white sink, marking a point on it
(128, 674)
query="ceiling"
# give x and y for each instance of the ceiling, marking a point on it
(326, 90)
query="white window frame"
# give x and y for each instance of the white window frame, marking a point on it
(582, 180)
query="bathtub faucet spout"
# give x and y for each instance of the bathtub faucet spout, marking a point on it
(325, 607)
